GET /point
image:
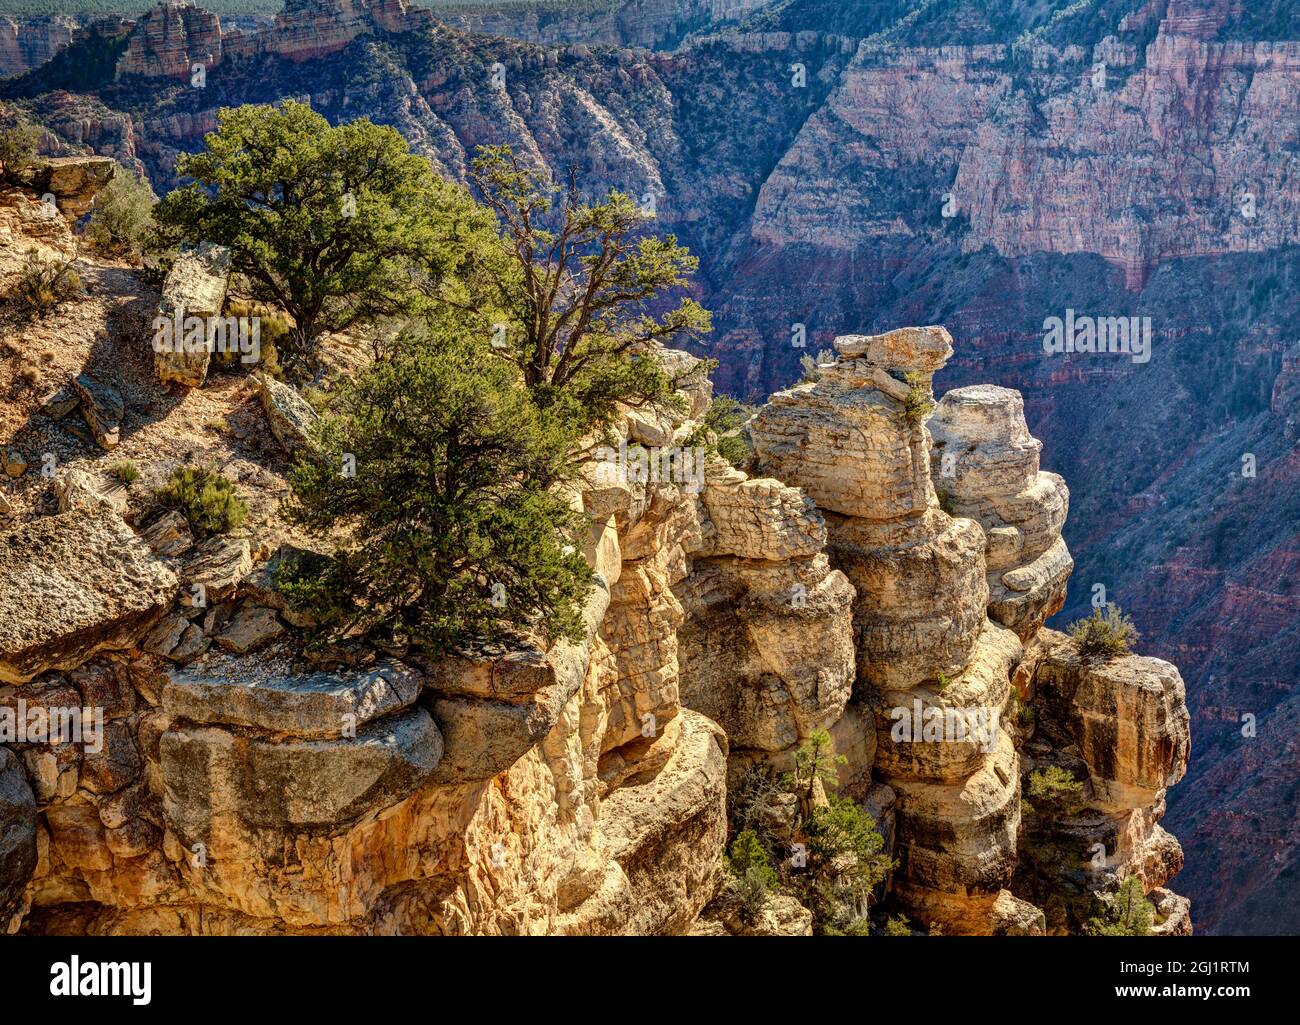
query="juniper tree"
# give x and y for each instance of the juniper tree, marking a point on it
(576, 294)
(17, 151)
(122, 219)
(336, 225)
(438, 473)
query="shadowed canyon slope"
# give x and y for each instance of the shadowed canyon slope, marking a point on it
(848, 168)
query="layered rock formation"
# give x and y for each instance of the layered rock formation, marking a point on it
(27, 43)
(232, 784)
(986, 466)
(933, 669)
(655, 25)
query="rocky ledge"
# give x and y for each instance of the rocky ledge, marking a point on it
(869, 564)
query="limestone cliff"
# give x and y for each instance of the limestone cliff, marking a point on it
(228, 782)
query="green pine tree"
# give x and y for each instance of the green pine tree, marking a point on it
(453, 530)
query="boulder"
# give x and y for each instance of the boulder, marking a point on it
(766, 651)
(692, 380)
(195, 287)
(72, 181)
(781, 915)
(13, 460)
(985, 465)
(920, 605)
(102, 407)
(494, 708)
(1173, 913)
(1015, 917)
(169, 535)
(215, 568)
(214, 776)
(288, 414)
(252, 626)
(667, 832)
(960, 838)
(60, 402)
(246, 692)
(757, 518)
(921, 350)
(79, 490)
(75, 584)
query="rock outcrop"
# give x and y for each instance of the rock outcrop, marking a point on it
(766, 646)
(75, 584)
(192, 297)
(985, 463)
(238, 780)
(72, 181)
(943, 606)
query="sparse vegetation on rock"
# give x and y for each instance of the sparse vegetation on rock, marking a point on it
(441, 470)
(43, 284)
(722, 429)
(205, 498)
(918, 404)
(1104, 634)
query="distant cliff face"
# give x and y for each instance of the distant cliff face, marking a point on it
(27, 43)
(653, 24)
(848, 168)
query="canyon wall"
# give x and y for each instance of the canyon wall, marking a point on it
(983, 168)
(27, 43)
(227, 779)
(653, 24)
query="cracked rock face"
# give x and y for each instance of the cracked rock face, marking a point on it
(766, 648)
(309, 785)
(75, 584)
(1127, 716)
(235, 692)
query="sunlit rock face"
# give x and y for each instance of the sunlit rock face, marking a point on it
(235, 783)
(950, 534)
(985, 463)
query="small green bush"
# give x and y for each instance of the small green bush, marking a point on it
(272, 331)
(122, 219)
(1054, 793)
(1126, 913)
(747, 894)
(41, 285)
(918, 404)
(17, 151)
(205, 498)
(747, 854)
(810, 366)
(722, 430)
(897, 926)
(1104, 635)
(126, 471)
